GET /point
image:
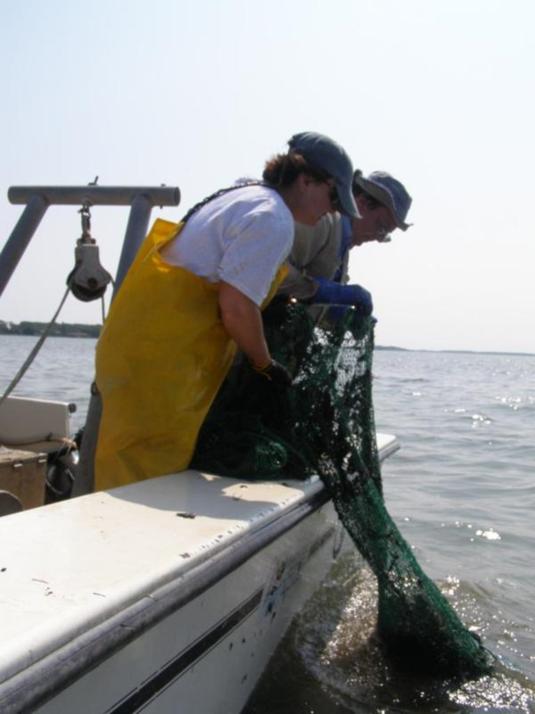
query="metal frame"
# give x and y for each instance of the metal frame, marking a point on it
(37, 200)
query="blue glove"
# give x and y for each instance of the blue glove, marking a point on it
(333, 293)
(337, 312)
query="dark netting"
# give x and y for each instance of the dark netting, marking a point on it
(325, 425)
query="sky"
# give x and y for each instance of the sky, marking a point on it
(196, 93)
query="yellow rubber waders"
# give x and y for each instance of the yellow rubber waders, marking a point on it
(161, 358)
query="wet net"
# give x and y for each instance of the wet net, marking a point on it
(325, 425)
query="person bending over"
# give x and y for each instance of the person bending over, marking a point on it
(318, 261)
(192, 297)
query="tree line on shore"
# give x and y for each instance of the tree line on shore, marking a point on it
(59, 329)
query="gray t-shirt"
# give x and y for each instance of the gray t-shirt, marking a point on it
(315, 254)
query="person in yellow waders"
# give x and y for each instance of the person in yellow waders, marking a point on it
(192, 297)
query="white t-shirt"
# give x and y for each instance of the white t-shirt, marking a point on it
(241, 238)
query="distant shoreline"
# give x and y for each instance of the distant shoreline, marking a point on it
(59, 329)
(456, 352)
(66, 329)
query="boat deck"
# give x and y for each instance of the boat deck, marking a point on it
(67, 567)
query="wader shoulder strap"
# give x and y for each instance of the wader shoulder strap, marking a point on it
(221, 192)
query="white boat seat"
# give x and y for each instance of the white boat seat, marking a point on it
(35, 424)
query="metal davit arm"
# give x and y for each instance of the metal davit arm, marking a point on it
(95, 195)
(37, 199)
(20, 237)
(141, 199)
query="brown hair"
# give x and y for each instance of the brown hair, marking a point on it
(283, 169)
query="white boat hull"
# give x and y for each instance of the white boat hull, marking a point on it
(207, 655)
(165, 596)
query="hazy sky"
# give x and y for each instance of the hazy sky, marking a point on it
(196, 93)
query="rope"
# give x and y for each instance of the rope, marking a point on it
(22, 371)
(221, 192)
(103, 304)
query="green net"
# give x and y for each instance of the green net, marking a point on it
(325, 425)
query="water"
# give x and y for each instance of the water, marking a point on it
(462, 490)
(62, 370)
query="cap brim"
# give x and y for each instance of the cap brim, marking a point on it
(382, 196)
(347, 201)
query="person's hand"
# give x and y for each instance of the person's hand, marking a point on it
(332, 293)
(335, 313)
(275, 372)
(360, 298)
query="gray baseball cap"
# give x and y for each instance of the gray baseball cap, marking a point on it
(323, 153)
(389, 192)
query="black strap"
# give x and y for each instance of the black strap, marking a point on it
(221, 192)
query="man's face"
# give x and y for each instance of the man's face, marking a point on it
(375, 224)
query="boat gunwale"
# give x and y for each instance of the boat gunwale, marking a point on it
(71, 655)
(43, 679)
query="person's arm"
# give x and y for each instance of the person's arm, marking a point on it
(243, 321)
(330, 292)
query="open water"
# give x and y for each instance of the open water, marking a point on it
(462, 491)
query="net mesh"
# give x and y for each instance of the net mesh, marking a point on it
(325, 425)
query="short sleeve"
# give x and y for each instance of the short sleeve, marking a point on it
(258, 242)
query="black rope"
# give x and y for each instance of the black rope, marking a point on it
(220, 192)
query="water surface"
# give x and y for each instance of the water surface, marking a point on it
(462, 491)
